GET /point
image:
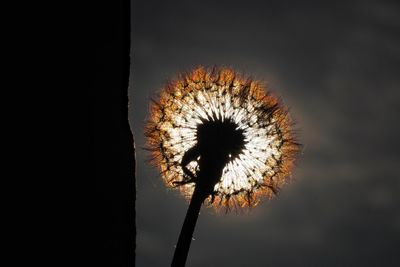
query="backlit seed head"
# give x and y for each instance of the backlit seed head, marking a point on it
(260, 146)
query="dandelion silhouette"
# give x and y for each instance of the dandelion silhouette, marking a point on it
(221, 139)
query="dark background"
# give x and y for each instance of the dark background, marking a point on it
(336, 65)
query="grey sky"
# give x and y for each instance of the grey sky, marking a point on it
(337, 67)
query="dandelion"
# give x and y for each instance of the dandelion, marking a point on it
(221, 139)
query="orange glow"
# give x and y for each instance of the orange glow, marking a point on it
(265, 163)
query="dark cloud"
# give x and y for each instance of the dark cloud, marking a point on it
(336, 65)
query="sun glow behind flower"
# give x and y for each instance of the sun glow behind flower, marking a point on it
(261, 167)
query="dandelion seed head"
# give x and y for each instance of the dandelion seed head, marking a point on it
(260, 164)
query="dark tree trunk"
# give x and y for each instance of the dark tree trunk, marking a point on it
(112, 146)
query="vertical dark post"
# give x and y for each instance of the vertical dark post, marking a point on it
(111, 140)
(185, 237)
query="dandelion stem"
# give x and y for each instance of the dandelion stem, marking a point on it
(185, 237)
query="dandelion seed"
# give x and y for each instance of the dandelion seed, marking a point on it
(259, 165)
(218, 136)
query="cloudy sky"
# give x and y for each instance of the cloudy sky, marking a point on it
(337, 67)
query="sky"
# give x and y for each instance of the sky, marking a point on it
(336, 65)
